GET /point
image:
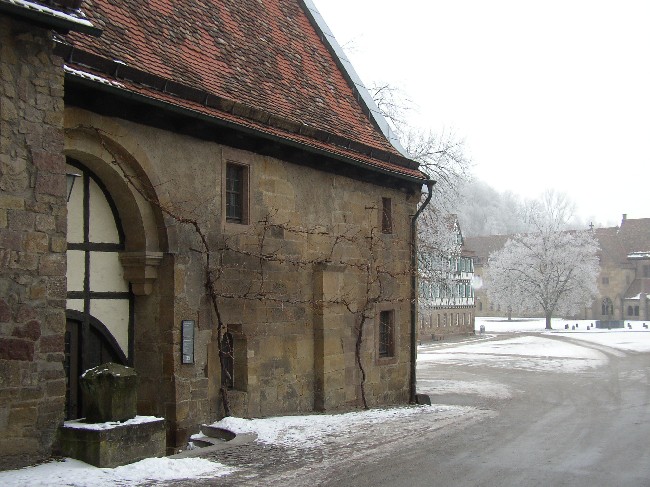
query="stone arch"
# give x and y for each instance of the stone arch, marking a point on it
(113, 155)
(136, 201)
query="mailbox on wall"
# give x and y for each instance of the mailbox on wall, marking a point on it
(187, 341)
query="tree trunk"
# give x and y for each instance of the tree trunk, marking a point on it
(548, 322)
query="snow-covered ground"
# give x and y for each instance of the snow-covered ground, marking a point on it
(636, 339)
(535, 353)
(539, 352)
(74, 473)
(481, 388)
(298, 432)
(318, 429)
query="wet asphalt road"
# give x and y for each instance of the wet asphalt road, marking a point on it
(558, 429)
(589, 428)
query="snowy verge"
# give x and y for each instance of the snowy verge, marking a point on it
(317, 429)
(75, 473)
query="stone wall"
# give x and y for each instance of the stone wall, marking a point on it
(294, 336)
(438, 324)
(32, 244)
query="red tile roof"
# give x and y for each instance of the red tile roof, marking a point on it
(264, 55)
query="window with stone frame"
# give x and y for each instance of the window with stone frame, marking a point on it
(386, 216)
(236, 193)
(387, 334)
(228, 370)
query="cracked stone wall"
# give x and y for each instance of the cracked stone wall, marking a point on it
(32, 244)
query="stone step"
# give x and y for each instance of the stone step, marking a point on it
(217, 433)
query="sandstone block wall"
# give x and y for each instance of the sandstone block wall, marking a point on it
(293, 353)
(32, 244)
(434, 326)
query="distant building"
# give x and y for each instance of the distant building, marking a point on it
(623, 282)
(446, 291)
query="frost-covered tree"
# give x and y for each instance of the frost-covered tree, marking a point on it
(551, 269)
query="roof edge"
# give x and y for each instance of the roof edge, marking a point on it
(74, 20)
(103, 85)
(117, 71)
(359, 89)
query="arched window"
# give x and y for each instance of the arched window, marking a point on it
(607, 308)
(99, 300)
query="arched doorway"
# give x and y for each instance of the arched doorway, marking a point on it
(99, 326)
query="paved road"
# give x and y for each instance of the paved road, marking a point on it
(557, 429)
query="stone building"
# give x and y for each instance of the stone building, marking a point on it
(623, 282)
(227, 143)
(446, 300)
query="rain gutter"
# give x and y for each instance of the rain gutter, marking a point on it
(414, 272)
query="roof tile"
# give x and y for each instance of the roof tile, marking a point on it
(261, 53)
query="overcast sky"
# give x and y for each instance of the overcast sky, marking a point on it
(547, 94)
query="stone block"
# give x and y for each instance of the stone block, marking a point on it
(111, 445)
(44, 222)
(110, 393)
(51, 344)
(16, 349)
(5, 311)
(30, 330)
(51, 184)
(20, 220)
(24, 260)
(52, 265)
(58, 244)
(11, 240)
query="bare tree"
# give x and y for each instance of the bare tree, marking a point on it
(442, 156)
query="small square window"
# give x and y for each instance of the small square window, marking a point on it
(386, 334)
(386, 216)
(605, 280)
(236, 193)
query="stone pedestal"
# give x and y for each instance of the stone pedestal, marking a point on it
(109, 445)
(111, 434)
(110, 393)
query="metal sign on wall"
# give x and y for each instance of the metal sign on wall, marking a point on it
(187, 341)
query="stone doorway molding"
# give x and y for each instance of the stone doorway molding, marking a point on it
(141, 270)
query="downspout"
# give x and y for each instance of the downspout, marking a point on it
(414, 272)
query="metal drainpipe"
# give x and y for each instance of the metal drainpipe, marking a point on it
(414, 272)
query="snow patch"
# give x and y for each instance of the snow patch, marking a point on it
(316, 430)
(78, 424)
(76, 18)
(528, 353)
(481, 388)
(92, 77)
(75, 473)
